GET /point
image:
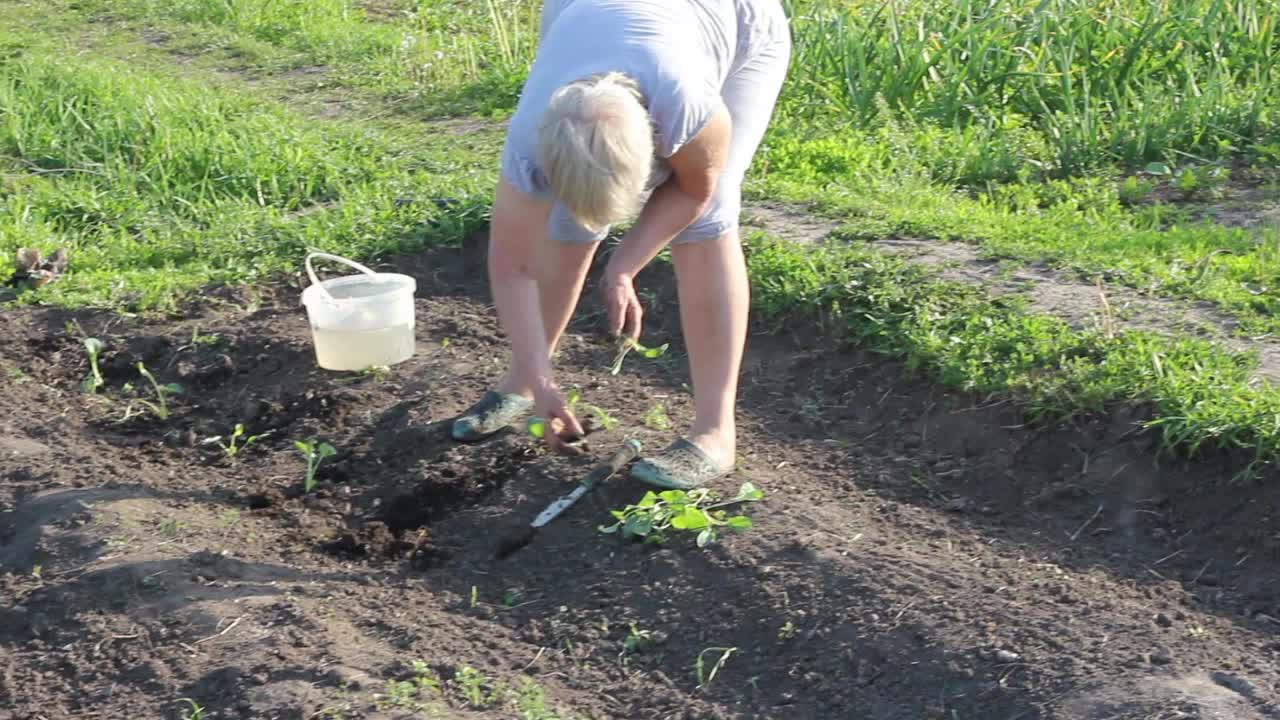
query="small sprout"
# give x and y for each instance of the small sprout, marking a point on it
(93, 348)
(315, 453)
(787, 631)
(656, 418)
(571, 400)
(172, 527)
(373, 373)
(159, 408)
(425, 678)
(229, 518)
(626, 344)
(198, 340)
(407, 693)
(400, 693)
(606, 420)
(475, 595)
(705, 679)
(637, 641)
(195, 712)
(231, 448)
(472, 687)
(531, 701)
(692, 511)
(537, 427)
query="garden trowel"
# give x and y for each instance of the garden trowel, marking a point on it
(623, 455)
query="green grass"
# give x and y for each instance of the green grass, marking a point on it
(1095, 81)
(161, 186)
(438, 58)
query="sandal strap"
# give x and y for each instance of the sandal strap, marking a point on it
(680, 466)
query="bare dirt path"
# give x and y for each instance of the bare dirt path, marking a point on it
(918, 554)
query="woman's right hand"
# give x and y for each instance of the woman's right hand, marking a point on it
(562, 426)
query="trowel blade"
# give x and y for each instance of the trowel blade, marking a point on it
(559, 506)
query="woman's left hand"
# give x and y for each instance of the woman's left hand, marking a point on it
(624, 309)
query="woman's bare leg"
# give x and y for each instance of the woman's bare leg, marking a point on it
(715, 297)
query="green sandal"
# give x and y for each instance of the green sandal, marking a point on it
(492, 413)
(681, 466)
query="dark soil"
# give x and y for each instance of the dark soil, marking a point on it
(918, 554)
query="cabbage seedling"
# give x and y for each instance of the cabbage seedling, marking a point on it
(602, 416)
(231, 448)
(692, 511)
(537, 427)
(159, 408)
(93, 348)
(656, 418)
(626, 344)
(705, 680)
(315, 453)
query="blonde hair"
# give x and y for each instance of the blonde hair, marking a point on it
(595, 145)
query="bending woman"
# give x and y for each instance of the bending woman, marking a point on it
(653, 107)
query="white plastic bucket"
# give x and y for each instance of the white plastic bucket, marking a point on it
(360, 321)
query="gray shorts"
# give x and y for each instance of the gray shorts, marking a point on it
(750, 94)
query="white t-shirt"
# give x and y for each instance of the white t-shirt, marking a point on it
(679, 53)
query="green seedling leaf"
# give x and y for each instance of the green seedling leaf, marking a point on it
(637, 525)
(691, 519)
(173, 388)
(673, 496)
(327, 450)
(695, 511)
(652, 353)
(748, 492)
(303, 447)
(605, 419)
(627, 344)
(1158, 168)
(93, 347)
(537, 427)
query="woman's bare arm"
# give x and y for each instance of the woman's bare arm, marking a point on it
(679, 201)
(517, 225)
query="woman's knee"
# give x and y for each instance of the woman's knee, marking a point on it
(706, 230)
(719, 219)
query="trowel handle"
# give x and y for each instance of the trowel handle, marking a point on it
(623, 455)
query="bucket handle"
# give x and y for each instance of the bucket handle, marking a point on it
(311, 272)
